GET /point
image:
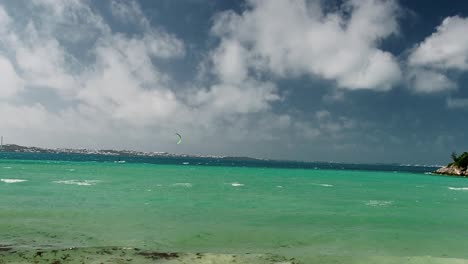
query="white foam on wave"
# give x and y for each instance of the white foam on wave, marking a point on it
(71, 169)
(12, 180)
(236, 184)
(378, 203)
(279, 186)
(7, 167)
(458, 188)
(183, 184)
(323, 184)
(77, 182)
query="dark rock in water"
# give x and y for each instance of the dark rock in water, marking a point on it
(452, 170)
(159, 255)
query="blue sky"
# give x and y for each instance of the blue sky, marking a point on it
(346, 81)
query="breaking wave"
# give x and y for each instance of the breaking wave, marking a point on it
(323, 184)
(458, 188)
(78, 182)
(12, 180)
(183, 184)
(378, 203)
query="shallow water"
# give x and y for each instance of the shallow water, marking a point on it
(313, 216)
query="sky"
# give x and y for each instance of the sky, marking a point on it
(356, 81)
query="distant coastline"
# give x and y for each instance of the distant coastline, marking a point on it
(111, 152)
(122, 155)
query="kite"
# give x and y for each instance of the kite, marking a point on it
(180, 138)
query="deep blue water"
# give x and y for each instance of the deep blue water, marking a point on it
(234, 162)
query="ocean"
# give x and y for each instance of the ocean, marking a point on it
(63, 208)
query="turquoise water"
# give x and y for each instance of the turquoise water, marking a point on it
(315, 216)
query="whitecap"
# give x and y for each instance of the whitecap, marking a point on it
(378, 203)
(279, 186)
(458, 188)
(236, 184)
(71, 169)
(77, 182)
(12, 180)
(323, 184)
(7, 167)
(183, 184)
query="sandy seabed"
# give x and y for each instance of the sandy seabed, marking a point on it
(120, 255)
(129, 255)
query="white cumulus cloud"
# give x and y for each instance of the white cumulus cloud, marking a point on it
(447, 48)
(443, 51)
(429, 81)
(291, 38)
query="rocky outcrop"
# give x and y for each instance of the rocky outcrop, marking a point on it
(453, 170)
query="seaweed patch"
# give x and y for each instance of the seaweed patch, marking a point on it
(158, 255)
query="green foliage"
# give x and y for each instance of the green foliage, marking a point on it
(460, 161)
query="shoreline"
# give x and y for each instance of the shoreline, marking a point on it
(19, 255)
(11, 254)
